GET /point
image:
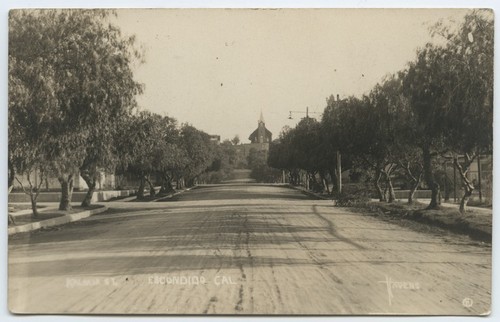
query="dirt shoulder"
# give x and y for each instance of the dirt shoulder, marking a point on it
(475, 224)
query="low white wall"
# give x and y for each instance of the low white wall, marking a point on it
(78, 196)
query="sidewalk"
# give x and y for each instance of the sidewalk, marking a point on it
(51, 207)
(456, 206)
(486, 211)
(47, 207)
(54, 221)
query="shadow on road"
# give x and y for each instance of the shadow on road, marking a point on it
(239, 191)
(333, 231)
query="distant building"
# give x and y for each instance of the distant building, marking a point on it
(215, 139)
(260, 139)
(261, 134)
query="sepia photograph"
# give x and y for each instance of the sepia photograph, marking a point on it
(238, 161)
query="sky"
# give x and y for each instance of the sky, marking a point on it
(218, 69)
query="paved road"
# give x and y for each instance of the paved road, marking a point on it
(245, 250)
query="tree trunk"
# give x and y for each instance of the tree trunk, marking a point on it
(468, 186)
(170, 187)
(413, 189)
(313, 182)
(90, 180)
(297, 178)
(465, 200)
(33, 198)
(166, 185)
(140, 191)
(152, 191)
(12, 176)
(333, 177)
(66, 192)
(430, 180)
(411, 195)
(381, 194)
(163, 188)
(392, 195)
(324, 182)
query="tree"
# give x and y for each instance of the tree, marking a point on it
(308, 152)
(224, 162)
(200, 153)
(450, 88)
(468, 75)
(423, 87)
(394, 134)
(31, 113)
(361, 133)
(281, 153)
(330, 140)
(87, 63)
(169, 156)
(235, 140)
(140, 145)
(260, 171)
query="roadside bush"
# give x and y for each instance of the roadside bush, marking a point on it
(352, 199)
(265, 174)
(360, 188)
(211, 177)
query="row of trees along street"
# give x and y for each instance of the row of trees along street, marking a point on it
(72, 110)
(440, 106)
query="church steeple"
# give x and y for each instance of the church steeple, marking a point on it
(261, 134)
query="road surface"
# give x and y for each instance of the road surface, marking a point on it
(245, 249)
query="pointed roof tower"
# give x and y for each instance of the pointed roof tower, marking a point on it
(261, 134)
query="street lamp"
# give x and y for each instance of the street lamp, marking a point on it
(301, 112)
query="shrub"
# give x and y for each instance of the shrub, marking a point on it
(352, 199)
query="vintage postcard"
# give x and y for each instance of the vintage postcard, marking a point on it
(250, 161)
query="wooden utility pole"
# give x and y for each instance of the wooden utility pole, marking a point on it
(339, 172)
(479, 178)
(454, 184)
(446, 192)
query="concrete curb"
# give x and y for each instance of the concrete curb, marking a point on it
(127, 199)
(25, 212)
(56, 221)
(309, 193)
(175, 194)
